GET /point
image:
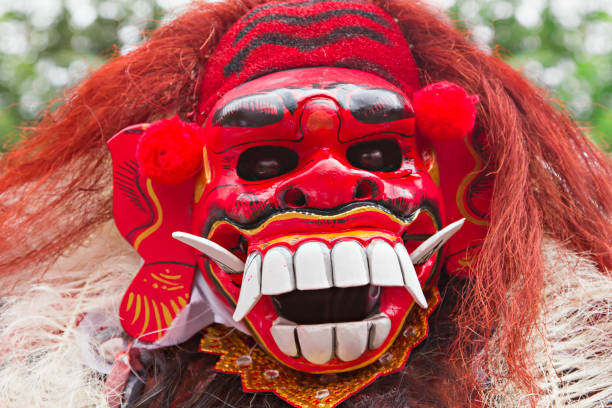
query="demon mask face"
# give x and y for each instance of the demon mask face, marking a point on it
(309, 197)
(317, 182)
(314, 216)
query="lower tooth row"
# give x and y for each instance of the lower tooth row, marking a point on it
(320, 343)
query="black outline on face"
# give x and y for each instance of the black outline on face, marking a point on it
(367, 105)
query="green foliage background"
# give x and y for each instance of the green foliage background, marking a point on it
(48, 45)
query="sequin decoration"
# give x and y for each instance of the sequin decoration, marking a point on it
(300, 389)
(244, 361)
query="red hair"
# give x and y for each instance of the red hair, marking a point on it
(549, 178)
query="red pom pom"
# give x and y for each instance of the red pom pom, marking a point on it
(170, 151)
(444, 111)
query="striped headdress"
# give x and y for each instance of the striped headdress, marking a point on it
(307, 33)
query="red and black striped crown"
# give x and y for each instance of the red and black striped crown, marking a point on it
(306, 33)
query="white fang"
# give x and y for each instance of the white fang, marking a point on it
(224, 258)
(250, 291)
(433, 243)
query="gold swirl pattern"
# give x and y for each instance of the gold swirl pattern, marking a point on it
(461, 191)
(158, 213)
(156, 315)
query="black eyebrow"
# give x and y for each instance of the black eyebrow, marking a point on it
(379, 105)
(267, 107)
(256, 110)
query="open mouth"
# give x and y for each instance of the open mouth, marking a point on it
(328, 305)
(328, 300)
(324, 293)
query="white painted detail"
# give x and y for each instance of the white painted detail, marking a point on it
(379, 330)
(312, 266)
(351, 340)
(284, 336)
(250, 291)
(316, 342)
(384, 266)
(224, 258)
(411, 281)
(277, 272)
(349, 264)
(319, 343)
(433, 243)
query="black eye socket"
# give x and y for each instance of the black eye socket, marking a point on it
(264, 162)
(376, 155)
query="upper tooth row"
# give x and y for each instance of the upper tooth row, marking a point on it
(314, 266)
(319, 343)
(383, 266)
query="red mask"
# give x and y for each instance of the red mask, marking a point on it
(311, 207)
(317, 182)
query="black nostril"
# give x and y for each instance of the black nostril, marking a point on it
(364, 190)
(295, 198)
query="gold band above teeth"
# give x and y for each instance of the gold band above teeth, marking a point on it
(332, 236)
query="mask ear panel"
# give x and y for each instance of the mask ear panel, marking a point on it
(146, 213)
(467, 185)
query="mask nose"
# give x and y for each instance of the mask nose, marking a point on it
(320, 120)
(327, 183)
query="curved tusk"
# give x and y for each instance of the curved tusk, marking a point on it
(229, 262)
(411, 280)
(433, 243)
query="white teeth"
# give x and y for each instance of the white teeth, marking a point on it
(316, 342)
(384, 267)
(351, 340)
(310, 268)
(250, 291)
(411, 281)
(313, 266)
(381, 325)
(226, 260)
(284, 336)
(433, 243)
(350, 264)
(319, 343)
(277, 272)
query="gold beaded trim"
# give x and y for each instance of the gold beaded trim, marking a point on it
(260, 372)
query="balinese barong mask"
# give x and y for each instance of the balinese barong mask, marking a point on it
(323, 183)
(314, 188)
(307, 203)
